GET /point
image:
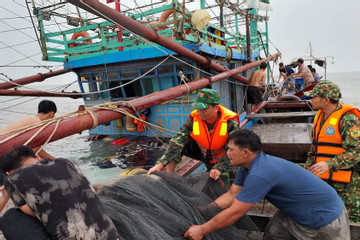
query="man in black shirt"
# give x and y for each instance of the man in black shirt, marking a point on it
(56, 195)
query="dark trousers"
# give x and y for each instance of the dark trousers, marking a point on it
(17, 225)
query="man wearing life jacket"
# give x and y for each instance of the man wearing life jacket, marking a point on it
(203, 137)
(335, 151)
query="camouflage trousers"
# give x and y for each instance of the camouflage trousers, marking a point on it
(350, 195)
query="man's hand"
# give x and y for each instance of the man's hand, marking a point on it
(195, 232)
(319, 168)
(157, 168)
(214, 174)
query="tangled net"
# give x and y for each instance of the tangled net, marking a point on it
(164, 206)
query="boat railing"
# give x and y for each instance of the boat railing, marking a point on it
(96, 38)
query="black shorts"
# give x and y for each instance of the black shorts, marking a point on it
(254, 95)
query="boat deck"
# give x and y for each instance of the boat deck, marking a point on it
(286, 140)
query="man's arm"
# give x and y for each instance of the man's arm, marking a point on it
(221, 220)
(225, 200)
(295, 75)
(176, 145)
(283, 76)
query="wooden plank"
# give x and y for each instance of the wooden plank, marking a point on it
(355, 230)
(289, 104)
(288, 133)
(282, 114)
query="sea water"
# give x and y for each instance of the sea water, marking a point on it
(88, 154)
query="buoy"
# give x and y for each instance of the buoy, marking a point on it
(76, 35)
(119, 123)
(164, 16)
(120, 141)
(200, 19)
(129, 124)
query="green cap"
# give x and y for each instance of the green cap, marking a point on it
(325, 89)
(205, 98)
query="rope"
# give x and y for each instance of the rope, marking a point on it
(183, 79)
(94, 118)
(50, 137)
(37, 133)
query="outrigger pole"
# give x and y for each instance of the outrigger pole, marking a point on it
(112, 15)
(34, 78)
(86, 121)
(5, 92)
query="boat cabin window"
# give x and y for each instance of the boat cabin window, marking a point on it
(114, 83)
(166, 77)
(166, 82)
(160, 78)
(133, 89)
(128, 73)
(117, 91)
(183, 67)
(100, 85)
(165, 69)
(113, 75)
(150, 84)
(146, 69)
(86, 86)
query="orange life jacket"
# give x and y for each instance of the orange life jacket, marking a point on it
(212, 147)
(327, 141)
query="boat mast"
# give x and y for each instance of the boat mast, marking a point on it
(35, 78)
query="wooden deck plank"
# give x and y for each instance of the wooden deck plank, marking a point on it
(282, 114)
(288, 133)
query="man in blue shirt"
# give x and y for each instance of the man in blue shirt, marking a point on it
(308, 207)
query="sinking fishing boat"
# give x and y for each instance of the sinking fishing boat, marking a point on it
(149, 60)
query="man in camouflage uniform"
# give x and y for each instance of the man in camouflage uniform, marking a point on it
(184, 143)
(332, 159)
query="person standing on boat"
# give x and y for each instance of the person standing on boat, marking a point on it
(308, 208)
(285, 72)
(53, 200)
(303, 72)
(203, 137)
(335, 151)
(256, 88)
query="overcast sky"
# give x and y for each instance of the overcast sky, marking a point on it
(331, 26)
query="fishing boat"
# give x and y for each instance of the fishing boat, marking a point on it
(110, 52)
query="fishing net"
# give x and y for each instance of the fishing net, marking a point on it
(164, 206)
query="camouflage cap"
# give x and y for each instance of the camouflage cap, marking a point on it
(205, 98)
(325, 89)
